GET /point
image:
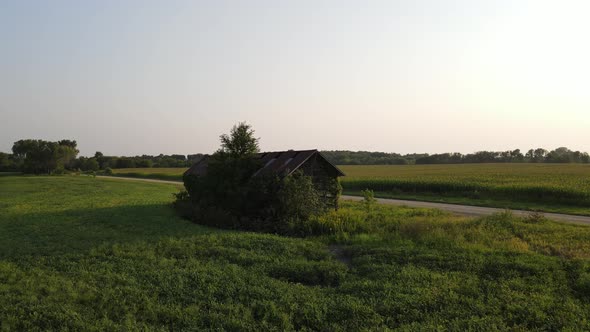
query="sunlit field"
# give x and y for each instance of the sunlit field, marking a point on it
(83, 253)
(548, 187)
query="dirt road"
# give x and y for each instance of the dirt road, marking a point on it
(465, 210)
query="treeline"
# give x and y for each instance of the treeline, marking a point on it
(540, 155)
(370, 158)
(145, 161)
(46, 157)
(559, 155)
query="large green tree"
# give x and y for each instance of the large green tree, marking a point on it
(39, 156)
(240, 142)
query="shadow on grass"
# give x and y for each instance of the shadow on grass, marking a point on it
(71, 231)
(10, 173)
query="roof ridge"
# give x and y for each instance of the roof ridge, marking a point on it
(282, 151)
(291, 160)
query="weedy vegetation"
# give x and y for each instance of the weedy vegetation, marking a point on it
(83, 253)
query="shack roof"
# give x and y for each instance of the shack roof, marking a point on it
(281, 162)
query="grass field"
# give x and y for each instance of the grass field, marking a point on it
(83, 253)
(562, 188)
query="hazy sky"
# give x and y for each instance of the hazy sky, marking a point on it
(142, 77)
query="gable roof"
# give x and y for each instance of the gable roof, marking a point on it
(282, 162)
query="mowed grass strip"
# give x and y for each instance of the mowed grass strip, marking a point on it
(143, 268)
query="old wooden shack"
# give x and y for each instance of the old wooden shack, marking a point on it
(284, 163)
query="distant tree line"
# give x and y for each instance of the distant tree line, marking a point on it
(36, 156)
(370, 158)
(145, 161)
(540, 155)
(45, 157)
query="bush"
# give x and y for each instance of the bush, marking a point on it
(108, 171)
(297, 198)
(535, 217)
(368, 199)
(59, 171)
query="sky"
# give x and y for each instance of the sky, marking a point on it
(150, 77)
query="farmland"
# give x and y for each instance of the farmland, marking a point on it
(549, 187)
(563, 188)
(83, 253)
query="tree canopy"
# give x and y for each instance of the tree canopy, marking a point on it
(240, 142)
(39, 156)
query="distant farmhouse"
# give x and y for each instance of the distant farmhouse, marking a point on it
(285, 163)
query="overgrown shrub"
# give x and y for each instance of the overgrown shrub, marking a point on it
(59, 171)
(368, 199)
(297, 198)
(262, 203)
(535, 217)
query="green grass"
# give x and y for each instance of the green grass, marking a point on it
(82, 253)
(561, 188)
(50, 215)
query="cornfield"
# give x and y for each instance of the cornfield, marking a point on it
(544, 183)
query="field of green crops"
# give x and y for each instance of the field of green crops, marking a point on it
(548, 187)
(79, 253)
(561, 188)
